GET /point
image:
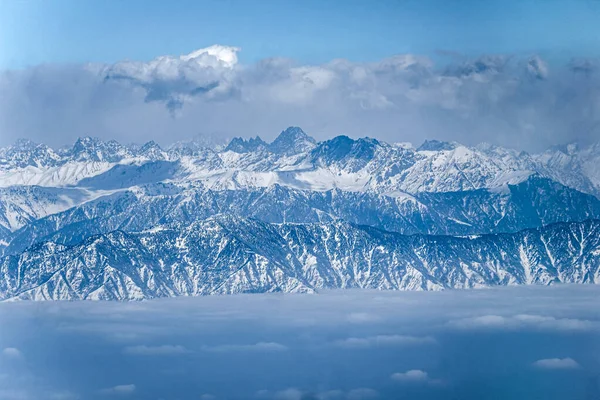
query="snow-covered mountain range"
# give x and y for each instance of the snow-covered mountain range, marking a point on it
(106, 220)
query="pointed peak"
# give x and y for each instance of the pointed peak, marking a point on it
(95, 149)
(294, 132)
(291, 141)
(152, 150)
(87, 140)
(25, 152)
(150, 145)
(241, 145)
(343, 147)
(85, 144)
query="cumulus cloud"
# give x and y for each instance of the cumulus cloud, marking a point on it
(174, 80)
(557, 363)
(119, 390)
(507, 100)
(162, 350)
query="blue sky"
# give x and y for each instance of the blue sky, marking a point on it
(49, 31)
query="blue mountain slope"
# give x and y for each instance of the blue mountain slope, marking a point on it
(228, 254)
(533, 203)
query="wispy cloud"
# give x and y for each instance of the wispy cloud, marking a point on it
(11, 352)
(64, 395)
(557, 363)
(258, 347)
(524, 321)
(384, 341)
(119, 390)
(414, 375)
(162, 350)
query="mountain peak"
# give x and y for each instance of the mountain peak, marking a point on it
(87, 148)
(25, 152)
(152, 151)
(95, 149)
(354, 153)
(24, 144)
(291, 141)
(241, 145)
(86, 141)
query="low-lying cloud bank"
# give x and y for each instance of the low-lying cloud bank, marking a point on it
(507, 100)
(513, 343)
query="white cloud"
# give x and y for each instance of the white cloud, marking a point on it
(12, 352)
(524, 321)
(384, 340)
(162, 350)
(401, 98)
(259, 347)
(414, 375)
(225, 54)
(208, 396)
(557, 363)
(122, 390)
(302, 84)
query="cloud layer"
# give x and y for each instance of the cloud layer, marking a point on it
(539, 344)
(515, 101)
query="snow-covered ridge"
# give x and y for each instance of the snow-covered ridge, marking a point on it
(533, 203)
(102, 220)
(296, 160)
(227, 254)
